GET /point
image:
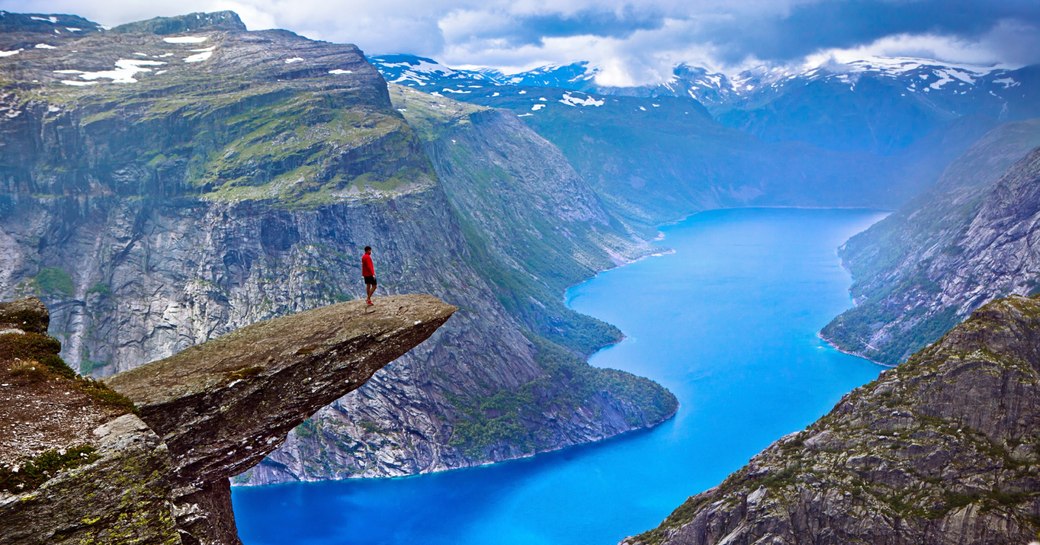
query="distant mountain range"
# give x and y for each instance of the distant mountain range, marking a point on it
(867, 133)
(958, 88)
(929, 138)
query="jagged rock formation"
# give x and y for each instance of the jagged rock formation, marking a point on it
(202, 416)
(944, 449)
(967, 241)
(162, 189)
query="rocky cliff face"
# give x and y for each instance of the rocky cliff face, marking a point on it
(967, 241)
(170, 181)
(944, 448)
(546, 397)
(88, 470)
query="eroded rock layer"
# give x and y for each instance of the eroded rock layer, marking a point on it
(943, 449)
(157, 470)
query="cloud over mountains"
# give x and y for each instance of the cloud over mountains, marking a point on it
(632, 41)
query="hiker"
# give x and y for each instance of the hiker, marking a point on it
(368, 271)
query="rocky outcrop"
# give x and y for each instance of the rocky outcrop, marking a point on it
(969, 240)
(75, 465)
(943, 449)
(239, 180)
(202, 416)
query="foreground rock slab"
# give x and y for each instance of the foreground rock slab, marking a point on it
(944, 449)
(223, 405)
(205, 414)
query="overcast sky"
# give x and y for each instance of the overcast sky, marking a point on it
(632, 41)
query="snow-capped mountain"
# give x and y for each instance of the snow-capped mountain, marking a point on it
(942, 82)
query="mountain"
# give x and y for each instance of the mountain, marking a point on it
(488, 162)
(942, 449)
(869, 133)
(168, 181)
(965, 242)
(959, 89)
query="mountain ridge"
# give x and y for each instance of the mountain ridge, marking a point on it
(929, 264)
(181, 186)
(716, 90)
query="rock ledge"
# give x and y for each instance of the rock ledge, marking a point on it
(203, 415)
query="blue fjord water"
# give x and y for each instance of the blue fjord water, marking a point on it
(727, 322)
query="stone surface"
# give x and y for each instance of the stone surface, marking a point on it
(943, 449)
(205, 415)
(223, 405)
(122, 497)
(75, 468)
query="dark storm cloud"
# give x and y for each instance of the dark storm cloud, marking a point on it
(845, 24)
(533, 29)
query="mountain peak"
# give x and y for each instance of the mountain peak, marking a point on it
(45, 22)
(192, 22)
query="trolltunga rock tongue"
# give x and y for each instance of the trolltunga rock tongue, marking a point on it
(223, 405)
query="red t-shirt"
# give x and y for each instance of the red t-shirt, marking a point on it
(367, 268)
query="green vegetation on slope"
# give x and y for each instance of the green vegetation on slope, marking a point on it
(36, 358)
(53, 281)
(37, 470)
(568, 385)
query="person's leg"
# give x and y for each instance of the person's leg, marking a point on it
(370, 288)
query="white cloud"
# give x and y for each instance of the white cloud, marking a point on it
(722, 35)
(1009, 44)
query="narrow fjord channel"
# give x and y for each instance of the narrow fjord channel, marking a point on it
(727, 322)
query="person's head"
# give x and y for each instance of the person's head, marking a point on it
(368, 249)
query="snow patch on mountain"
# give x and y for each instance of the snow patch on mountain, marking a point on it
(124, 72)
(185, 39)
(572, 100)
(200, 54)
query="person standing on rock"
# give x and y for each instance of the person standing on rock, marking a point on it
(368, 271)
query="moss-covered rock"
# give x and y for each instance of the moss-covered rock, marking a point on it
(77, 468)
(28, 315)
(942, 449)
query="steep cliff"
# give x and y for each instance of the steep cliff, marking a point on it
(547, 396)
(944, 448)
(965, 242)
(146, 459)
(169, 181)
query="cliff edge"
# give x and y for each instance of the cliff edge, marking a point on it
(145, 457)
(944, 449)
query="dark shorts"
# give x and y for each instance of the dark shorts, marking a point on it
(370, 280)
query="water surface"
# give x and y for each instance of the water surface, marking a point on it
(727, 322)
